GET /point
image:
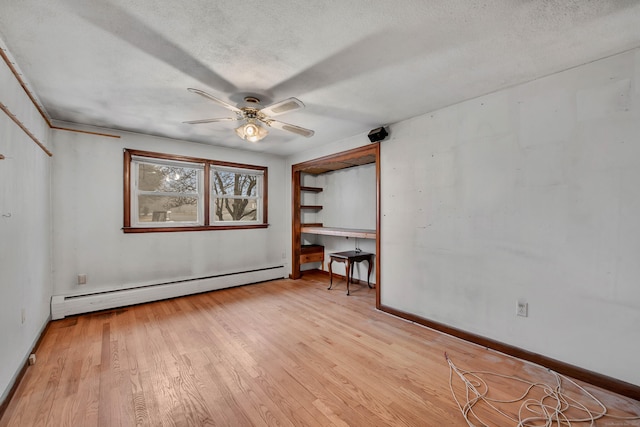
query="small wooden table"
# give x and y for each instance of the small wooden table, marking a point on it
(348, 258)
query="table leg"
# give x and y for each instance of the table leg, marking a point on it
(348, 268)
(369, 272)
(330, 275)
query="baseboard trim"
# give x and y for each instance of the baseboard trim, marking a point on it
(69, 305)
(23, 370)
(609, 383)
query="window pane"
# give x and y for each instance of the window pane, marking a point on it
(234, 183)
(167, 209)
(167, 178)
(235, 210)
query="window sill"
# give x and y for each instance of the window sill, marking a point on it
(195, 228)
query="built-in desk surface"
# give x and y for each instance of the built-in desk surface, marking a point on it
(343, 232)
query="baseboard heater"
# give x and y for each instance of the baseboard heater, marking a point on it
(62, 306)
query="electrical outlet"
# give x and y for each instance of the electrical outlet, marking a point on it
(522, 309)
(82, 279)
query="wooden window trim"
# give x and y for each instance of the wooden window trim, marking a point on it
(127, 176)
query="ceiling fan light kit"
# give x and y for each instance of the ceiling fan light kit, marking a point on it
(251, 131)
(253, 114)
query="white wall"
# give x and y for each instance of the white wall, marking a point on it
(528, 193)
(88, 215)
(25, 272)
(348, 198)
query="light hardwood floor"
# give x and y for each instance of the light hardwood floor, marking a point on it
(277, 353)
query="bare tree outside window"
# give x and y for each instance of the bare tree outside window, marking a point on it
(235, 195)
(168, 193)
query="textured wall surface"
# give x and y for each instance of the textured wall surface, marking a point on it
(527, 193)
(88, 214)
(25, 270)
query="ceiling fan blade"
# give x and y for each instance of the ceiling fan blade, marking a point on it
(286, 106)
(216, 100)
(223, 119)
(290, 128)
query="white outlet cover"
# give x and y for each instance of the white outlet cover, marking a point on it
(522, 309)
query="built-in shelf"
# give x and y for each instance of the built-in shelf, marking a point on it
(343, 232)
(301, 254)
(311, 189)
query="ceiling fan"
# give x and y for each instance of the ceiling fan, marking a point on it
(254, 113)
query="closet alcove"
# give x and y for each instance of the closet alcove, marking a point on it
(304, 251)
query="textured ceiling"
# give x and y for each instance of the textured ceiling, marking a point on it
(356, 64)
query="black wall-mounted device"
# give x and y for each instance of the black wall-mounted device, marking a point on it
(378, 134)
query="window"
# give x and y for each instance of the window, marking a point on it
(166, 191)
(163, 192)
(235, 196)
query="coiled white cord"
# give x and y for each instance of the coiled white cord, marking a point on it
(551, 409)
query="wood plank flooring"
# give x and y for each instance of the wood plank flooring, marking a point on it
(281, 353)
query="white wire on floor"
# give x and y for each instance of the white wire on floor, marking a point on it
(549, 410)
